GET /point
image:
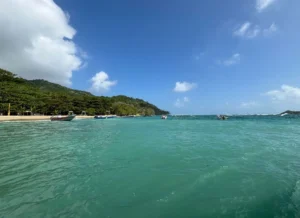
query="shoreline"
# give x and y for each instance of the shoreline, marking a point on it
(34, 118)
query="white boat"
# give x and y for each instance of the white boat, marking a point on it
(222, 117)
(164, 117)
(100, 117)
(68, 117)
(103, 117)
(111, 116)
(62, 118)
(284, 114)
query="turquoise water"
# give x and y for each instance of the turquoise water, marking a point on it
(147, 167)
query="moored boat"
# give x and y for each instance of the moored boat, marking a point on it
(111, 116)
(103, 117)
(100, 117)
(68, 117)
(164, 117)
(222, 117)
(129, 116)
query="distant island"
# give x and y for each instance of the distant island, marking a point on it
(290, 112)
(46, 98)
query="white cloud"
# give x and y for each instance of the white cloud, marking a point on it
(272, 29)
(248, 105)
(263, 4)
(286, 93)
(36, 41)
(243, 29)
(184, 86)
(250, 31)
(101, 83)
(285, 98)
(235, 59)
(247, 30)
(179, 103)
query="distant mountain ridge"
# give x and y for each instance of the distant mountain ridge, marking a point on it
(43, 97)
(290, 112)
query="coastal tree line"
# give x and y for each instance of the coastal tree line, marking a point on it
(43, 97)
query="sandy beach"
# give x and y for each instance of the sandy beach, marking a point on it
(34, 118)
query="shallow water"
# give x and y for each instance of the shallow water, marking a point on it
(147, 167)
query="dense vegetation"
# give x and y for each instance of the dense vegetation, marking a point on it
(43, 97)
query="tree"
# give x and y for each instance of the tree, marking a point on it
(90, 111)
(149, 112)
(123, 109)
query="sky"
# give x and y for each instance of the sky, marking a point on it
(185, 56)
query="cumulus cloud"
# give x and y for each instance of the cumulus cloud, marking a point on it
(234, 59)
(179, 103)
(285, 98)
(249, 104)
(36, 41)
(263, 4)
(184, 86)
(286, 93)
(101, 83)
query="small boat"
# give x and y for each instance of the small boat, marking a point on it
(100, 117)
(68, 117)
(164, 117)
(111, 116)
(222, 117)
(103, 117)
(129, 116)
(284, 114)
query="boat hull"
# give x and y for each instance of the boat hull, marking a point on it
(100, 117)
(222, 117)
(110, 117)
(62, 118)
(105, 117)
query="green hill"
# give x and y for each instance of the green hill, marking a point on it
(290, 112)
(43, 97)
(44, 85)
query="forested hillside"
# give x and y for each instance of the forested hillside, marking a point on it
(43, 97)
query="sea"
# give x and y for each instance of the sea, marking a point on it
(182, 167)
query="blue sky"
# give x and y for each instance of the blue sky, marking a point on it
(188, 57)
